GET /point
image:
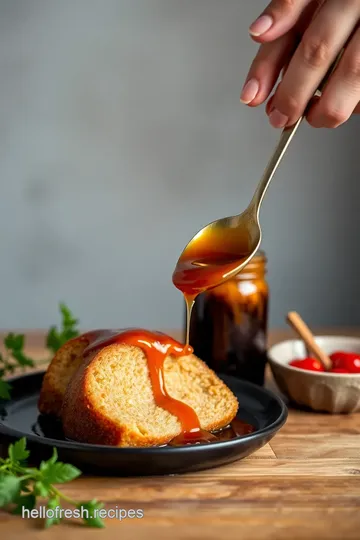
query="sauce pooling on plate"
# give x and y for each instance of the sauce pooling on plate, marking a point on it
(207, 261)
(157, 347)
(236, 428)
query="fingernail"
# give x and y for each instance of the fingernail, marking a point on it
(261, 25)
(250, 91)
(278, 119)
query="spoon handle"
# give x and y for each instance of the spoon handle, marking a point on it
(285, 139)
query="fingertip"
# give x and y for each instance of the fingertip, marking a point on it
(261, 25)
(258, 98)
(277, 119)
(314, 121)
(249, 91)
(280, 17)
(323, 116)
(315, 117)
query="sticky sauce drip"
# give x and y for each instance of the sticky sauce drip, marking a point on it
(157, 347)
(207, 262)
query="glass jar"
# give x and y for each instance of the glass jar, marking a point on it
(229, 324)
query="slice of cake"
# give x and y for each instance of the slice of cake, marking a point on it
(134, 388)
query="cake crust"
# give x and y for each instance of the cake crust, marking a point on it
(59, 373)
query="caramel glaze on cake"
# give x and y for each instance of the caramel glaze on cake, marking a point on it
(134, 388)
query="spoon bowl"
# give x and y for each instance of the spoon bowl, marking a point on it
(218, 252)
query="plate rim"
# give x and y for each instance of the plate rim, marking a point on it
(153, 450)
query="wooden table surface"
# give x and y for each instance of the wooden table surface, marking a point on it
(304, 484)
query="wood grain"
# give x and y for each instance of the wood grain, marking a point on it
(304, 484)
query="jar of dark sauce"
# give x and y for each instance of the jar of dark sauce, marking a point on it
(228, 328)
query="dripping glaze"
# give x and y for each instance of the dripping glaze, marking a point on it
(156, 347)
(207, 261)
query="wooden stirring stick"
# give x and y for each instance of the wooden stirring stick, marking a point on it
(306, 335)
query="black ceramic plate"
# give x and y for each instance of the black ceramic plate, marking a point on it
(19, 417)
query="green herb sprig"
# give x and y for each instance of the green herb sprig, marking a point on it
(15, 358)
(69, 329)
(11, 359)
(22, 486)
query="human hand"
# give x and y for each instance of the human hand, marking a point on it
(301, 39)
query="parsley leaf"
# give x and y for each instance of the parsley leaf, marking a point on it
(53, 504)
(14, 356)
(21, 485)
(53, 457)
(17, 451)
(89, 512)
(58, 473)
(56, 338)
(14, 343)
(9, 488)
(41, 489)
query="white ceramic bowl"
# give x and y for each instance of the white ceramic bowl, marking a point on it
(329, 392)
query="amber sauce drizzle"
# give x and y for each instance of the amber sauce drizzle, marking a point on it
(157, 347)
(207, 261)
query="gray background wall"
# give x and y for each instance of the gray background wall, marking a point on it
(122, 134)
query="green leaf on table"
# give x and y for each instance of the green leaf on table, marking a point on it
(58, 473)
(89, 513)
(52, 504)
(5, 388)
(22, 360)
(9, 488)
(42, 489)
(14, 343)
(54, 457)
(45, 464)
(17, 451)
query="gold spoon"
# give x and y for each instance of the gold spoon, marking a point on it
(223, 248)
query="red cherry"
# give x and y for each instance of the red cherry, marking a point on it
(310, 364)
(338, 370)
(350, 362)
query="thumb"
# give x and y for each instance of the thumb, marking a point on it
(278, 18)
